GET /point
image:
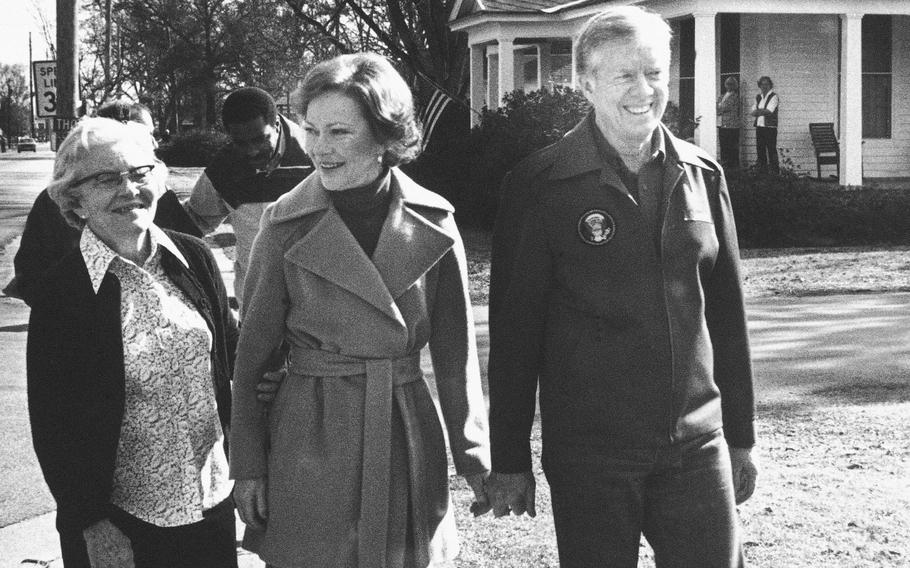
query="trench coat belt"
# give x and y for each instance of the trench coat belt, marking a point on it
(382, 375)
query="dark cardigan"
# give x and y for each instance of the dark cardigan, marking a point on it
(76, 375)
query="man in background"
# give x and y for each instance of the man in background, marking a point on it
(765, 111)
(263, 161)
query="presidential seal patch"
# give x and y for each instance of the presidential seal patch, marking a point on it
(596, 227)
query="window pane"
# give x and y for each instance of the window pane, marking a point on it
(876, 106)
(729, 44)
(876, 44)
(687, 48)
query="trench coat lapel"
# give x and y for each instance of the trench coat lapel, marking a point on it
(330, 251)
(409, 244)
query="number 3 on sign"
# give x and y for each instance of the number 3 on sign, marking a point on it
(50, 103)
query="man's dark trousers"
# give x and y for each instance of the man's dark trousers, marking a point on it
(605, 499)
(766, 146)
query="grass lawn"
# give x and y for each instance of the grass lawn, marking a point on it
(834, 487)
(767, 272)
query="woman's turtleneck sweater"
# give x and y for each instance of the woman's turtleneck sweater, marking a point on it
(363, 209)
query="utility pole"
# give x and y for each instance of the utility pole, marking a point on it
(31, 89)
(67, 67)
(9, 109)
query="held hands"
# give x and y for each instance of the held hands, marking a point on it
(478, 483)
(512, 492)
(745, 470)
(107, 546)
(251, 502)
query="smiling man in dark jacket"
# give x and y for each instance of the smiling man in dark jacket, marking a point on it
(616, 290)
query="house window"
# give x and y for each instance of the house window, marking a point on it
(686, 70)
(529, 68)
(877, 79)
(560, 63)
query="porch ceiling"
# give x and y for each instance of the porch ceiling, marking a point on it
(677, 8)
(520, 5)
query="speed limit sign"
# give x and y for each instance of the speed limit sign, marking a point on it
(45, 73)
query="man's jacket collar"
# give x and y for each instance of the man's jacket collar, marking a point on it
(578, 152)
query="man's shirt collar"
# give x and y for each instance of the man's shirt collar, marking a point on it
(280, 147)
(611, 157)
(98, 256)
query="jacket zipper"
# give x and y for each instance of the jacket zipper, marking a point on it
(663, 231)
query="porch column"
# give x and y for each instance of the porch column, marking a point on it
(543, 65)
(706, 81)
(506, 70)
(851, 103)
(478, 89)
(575, 84)
(492, 77)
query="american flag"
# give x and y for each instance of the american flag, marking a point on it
(431, 113)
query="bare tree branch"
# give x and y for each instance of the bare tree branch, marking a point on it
(318, 26)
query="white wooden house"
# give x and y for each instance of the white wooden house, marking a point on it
(841, 61)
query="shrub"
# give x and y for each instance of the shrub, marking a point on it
(787, 211)
(681, 127)
(192, 148)
(470, 168)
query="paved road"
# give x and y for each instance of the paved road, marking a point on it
(22, 177)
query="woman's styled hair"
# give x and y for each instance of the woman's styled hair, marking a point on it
(73, 159)
(765, 78)
(382, 94)
(618, 24)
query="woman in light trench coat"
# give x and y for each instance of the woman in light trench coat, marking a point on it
(357, 268)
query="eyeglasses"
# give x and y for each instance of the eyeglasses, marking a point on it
(112, 179)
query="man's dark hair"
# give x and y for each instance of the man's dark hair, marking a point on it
(246, 104)
(125, 111)
(118, 110)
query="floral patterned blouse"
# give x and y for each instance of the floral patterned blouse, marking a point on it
(171, 464)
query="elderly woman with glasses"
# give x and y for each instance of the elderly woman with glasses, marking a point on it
(130, 355)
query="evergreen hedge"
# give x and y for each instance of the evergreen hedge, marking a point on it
(193, 148)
